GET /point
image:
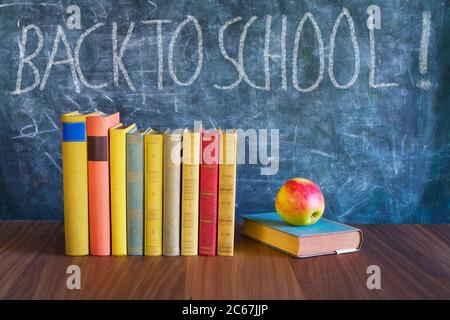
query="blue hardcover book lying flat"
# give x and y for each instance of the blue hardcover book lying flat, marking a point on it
(323, 237)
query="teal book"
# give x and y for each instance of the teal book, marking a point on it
(323, 237)
(135, 192)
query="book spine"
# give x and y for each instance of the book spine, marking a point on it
(75, 186)
(153, 194)
(209, 171)
(118, 192)
(189, 194)
(135, 194)
(98, 181)
(172, 184)
(227, 194)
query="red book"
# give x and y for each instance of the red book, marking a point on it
(97, 127)
(209, 174)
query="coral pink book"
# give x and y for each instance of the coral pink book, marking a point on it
(97, 129)
(209, 173)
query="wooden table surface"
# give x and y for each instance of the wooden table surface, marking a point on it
(414, 262)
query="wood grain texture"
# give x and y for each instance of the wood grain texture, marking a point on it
(414, 262)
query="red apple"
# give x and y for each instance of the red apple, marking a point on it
(300, 202)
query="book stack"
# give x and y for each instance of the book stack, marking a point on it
(144, 192)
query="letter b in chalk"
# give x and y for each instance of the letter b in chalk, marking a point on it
(74, 19)
(374, 19)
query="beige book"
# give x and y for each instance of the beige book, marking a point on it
(172, 193)
(227, 193)
(190, 193)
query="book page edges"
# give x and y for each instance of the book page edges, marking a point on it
(289, 243)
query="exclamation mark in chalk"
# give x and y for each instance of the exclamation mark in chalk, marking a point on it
(423, 55)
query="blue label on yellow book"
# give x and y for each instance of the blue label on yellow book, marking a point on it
(74, 132)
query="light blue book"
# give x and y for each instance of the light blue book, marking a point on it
(323, 237)
(135, 193)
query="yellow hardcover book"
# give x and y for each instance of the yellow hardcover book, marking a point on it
(153, 204)
(118, 187)
(227, 193)
(189, 193)
(75, 184)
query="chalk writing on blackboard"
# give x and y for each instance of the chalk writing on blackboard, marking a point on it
(424, 41)
(295, 54)
(355, 46)
(343, 23)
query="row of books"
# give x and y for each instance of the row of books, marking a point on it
(144, 192)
